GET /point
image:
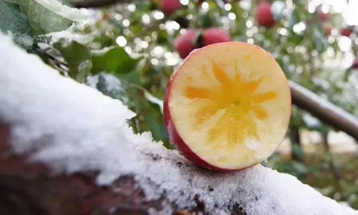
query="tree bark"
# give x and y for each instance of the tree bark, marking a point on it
(31, 189)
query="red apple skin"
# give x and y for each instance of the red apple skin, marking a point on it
(346, 32)
(215, 35)
(170, 6)
(173, 133)
(264, 15)
(185, 43)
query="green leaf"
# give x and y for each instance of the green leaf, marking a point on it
(115, 60)
(300, 168)
(133, 77)
(14, 22)
(48, 16)
(206, 21)
(110, 86)
(297, 150)
(297, 169)
(148, 108)
(78, 58)
(327, 191)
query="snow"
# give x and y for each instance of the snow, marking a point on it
(58, 8)
(65, 11)
(72, 128)
(70, 36)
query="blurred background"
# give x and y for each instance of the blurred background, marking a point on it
(129, 49)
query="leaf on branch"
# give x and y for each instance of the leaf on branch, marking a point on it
(46, 16)
(15, 23)
(115, 60)
(148, 107)
(78, 58)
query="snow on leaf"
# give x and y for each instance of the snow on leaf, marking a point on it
(47, 16)
(14, 23)
(78, 58)
(70, 35)
(138, 100)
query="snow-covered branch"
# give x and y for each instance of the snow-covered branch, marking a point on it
(54, 125)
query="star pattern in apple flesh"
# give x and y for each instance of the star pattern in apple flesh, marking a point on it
(236, 100)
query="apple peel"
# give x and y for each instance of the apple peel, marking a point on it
(227, 106)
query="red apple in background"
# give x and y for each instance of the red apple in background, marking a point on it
(221, 109)
(192, 39)
(215, 35)
(186, 43)
(170, 6)
(324, 17)
(226, 1)
(264, 15)
(355, 64)
(346, 32)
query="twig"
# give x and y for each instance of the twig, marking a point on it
(294, 135)
(332, 166)
(324, 110)
(98, 3)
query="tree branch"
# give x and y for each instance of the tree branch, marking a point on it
(66, 149)
(97, 3)
(324, 110)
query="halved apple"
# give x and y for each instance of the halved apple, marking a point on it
(227, 106)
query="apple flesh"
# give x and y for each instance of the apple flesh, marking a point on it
(227, 106)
